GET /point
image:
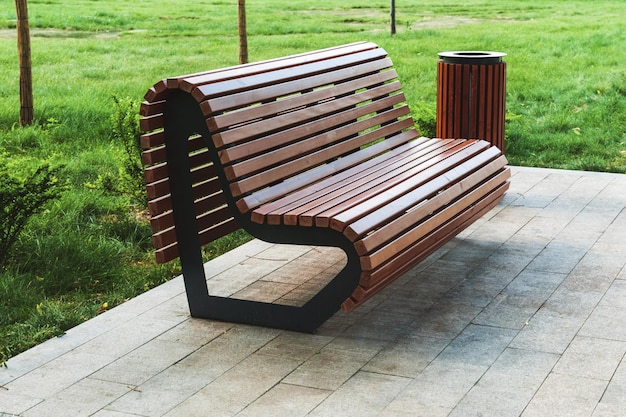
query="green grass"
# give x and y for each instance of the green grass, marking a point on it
(89, 250)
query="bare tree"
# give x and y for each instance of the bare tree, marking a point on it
(23, 49)
(243, 36)
(393, 17)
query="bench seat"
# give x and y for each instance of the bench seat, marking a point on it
(315, 149)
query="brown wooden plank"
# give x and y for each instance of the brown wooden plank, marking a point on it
(170, 252)
(151, 122)
(372, 183)
(305, 92)
(200, 190)
(154, 155)
(308, 120)
(295, 146)
(189, 83)
(371, 170)
(379, 155)
(373, 282)
(204, 221)
(388, 251)
(299, 165)
(462, 151)
(397, 226)
(165, 219)
(151, 108)
(158, 189)
(152, 139)
(276, 76)
(278, 98)
(155, 173)
(381, 209)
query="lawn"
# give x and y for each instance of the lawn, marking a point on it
(90, 249)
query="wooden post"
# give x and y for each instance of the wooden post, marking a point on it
(23, 49)
(393, 17)
(243, 37)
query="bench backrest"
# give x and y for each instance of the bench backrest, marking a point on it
(271, 128)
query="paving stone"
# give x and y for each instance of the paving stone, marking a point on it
(440, 386)
(519, 301)
(285, 400)
(401, 407)
(478, 345)
(574, 302)
(58, 374)
(548, 331)
(129, 336)
(160, 394)
(109, 413)
(567, 396)
(84, 398)
(237, 388)
(558, 257)
(622, 274)
(407, 356)
(296, 346)
(12, 402)
(365, 394)
(144, 362)
(335, 363)
(591, 358)
(612, 402)
(606, 322)
(196, 332)
(615, 295)
(444, 320)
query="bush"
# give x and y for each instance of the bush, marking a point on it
(129, 180)
(20, 199)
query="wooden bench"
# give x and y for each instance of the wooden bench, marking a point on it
(313, 149)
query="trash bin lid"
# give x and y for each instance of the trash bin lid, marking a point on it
(471, 57)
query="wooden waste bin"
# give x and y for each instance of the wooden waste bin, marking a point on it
(471, 90)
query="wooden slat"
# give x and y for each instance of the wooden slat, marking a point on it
(378, 156)
(281, 141)
(151, 122)
(200, 190)
(374, 182)
(311, 119)
(294, 94)
(401, 198)
(255, 81)
(151, 108)
(170, 252)
(188, 83)
(304, 93)
(204, 221)
(380, 256)
(372, 282)
(410, 219)
(305, 163)
(152, 139)
(165, 219)
(456, 155)
(318, 137)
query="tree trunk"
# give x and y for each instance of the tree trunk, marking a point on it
(23, 49)
(243, 36)
(393, 17)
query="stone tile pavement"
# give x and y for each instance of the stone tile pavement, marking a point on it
(522, 314)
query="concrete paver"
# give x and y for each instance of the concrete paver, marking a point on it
(523, 314)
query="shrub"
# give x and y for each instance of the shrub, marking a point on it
(20, 199)
(129, 180)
